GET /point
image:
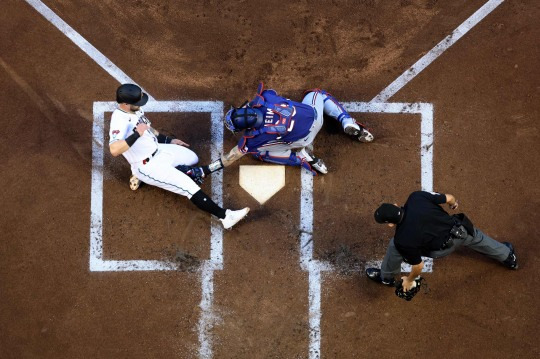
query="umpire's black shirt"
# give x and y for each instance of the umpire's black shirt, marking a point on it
(424, 228)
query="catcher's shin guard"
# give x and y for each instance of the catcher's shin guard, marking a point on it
(333, 108)
(293, 160)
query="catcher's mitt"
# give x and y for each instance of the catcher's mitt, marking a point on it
(195, 173)
(409, 295)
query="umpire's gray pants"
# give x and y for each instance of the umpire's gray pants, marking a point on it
(480, 242)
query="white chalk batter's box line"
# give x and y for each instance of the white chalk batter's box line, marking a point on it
(425, 110)
(97, 262)
(316, 267)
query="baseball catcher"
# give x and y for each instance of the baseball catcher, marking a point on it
(282, 131)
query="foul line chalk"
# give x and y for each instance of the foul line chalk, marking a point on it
(437, 51)
(97, 261)
(81, 42)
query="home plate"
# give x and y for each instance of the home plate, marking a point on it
(262, 182)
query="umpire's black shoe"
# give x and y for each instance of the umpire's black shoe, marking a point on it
(375, 275)
(511, 261)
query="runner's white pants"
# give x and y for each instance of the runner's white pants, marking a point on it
(160, 170)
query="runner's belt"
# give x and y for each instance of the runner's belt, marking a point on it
(145, 161)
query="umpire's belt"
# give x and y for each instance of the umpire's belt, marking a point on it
(457, 231)
(146, 160)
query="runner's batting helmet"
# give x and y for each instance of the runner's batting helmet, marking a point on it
(131, 94)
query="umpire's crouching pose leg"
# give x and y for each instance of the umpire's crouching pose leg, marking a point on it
(423, 228)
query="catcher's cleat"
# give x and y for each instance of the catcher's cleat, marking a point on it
(511, 261)
(318, 165)
(375, 275)
(315, 163)
(233, 217)
(134, 183)
(359, 132)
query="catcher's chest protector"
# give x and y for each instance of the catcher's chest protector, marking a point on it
(278, 112)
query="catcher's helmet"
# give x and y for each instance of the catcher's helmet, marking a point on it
(131, 94)
(238, 119)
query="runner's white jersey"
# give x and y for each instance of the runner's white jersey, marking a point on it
(122, 126)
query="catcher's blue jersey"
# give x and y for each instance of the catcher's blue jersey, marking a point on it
(295, 127)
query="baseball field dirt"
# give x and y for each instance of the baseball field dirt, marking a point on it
(484, 95)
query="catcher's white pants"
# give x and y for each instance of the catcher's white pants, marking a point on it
(316, 100)
(160, 170)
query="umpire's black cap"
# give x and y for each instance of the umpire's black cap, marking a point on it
(131, 94)
(389, 213)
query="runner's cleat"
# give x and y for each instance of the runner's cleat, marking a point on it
(233, 217)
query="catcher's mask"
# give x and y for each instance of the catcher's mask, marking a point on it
(238, 119)
(131, 94)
